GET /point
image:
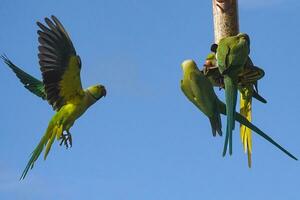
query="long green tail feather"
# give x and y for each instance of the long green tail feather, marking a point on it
(254, 128)
(36, 153)
(245, 122)
(231, 99)
(47, 139)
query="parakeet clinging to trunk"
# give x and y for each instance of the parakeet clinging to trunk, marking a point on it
(210, 69)
(198, 89)
(232, 55)
(61, 85)
(248, 77)
(201, 99)
(248, 89)
(247, 85)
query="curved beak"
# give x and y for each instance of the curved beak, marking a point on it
(104, 92)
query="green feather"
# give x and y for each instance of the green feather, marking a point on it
(32, 84)
(35, 154)
(241, 119)
(231, 98)
(38, 150)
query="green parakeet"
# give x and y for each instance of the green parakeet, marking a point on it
(249, 76)
(247, 85)
(248, 89)
(232, 55)
(189, 88)
(198, 89)
(61, 85)
(211, 71)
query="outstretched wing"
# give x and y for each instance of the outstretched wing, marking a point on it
(59, 63)
(32, 84)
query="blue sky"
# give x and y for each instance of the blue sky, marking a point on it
(145, 140)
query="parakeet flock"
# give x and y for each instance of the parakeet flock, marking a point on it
(227, 67)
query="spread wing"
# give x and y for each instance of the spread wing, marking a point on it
(32, 84)
(60, 66)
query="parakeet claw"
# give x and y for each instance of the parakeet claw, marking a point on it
(66, 139)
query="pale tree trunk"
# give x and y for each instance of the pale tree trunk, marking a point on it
(226, 20)
(226, 23)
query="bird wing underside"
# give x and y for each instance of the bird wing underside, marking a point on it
(59, 63)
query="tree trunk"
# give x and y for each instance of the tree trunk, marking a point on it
(226, 22)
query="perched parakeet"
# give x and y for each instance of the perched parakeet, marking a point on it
(248, 89)
(211, 71)
(199, 98)
(232, 55)
(249, 76)
(198, 89)
(247, 85)
(61, 85)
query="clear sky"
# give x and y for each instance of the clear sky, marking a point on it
(145, 141)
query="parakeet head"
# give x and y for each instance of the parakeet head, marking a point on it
(97, 91)
(210, 60)
(245, 37)
(188, 65)
(214, 48)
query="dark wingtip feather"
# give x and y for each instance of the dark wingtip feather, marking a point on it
(54, 18)
(5, 59)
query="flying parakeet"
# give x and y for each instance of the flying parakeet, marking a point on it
(61, 85)
(232, 55)
(198, 89)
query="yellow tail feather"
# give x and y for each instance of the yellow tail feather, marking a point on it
(53, 131)
(245, 110)
(56, 133)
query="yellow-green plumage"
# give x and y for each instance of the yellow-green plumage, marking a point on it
(199, 91)
(61, 86)
(232, 55)
(247, 85)
(250, 76)
(198, 98)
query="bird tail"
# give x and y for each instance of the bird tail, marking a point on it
(258, 97)
(231, 98)
(54, 129)
(246, 137)
(216, 125)
(241, 119)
